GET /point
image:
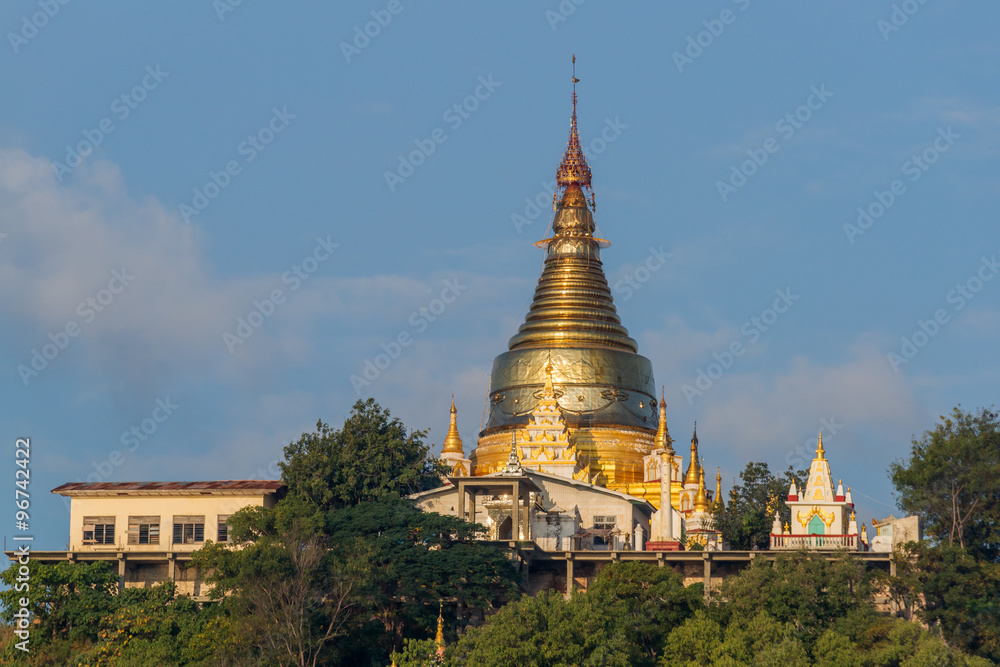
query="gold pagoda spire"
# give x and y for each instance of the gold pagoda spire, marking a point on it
(820, 454)
(701, 498)
(663, 439)
(693, 470)
(718, 487)
(573, 306)
(573, 173)
(439, 639)
(453, 441)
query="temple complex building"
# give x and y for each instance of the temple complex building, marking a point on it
(573, 398)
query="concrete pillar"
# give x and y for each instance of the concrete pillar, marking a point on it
(515, 514)
(666, 489)
(708, 574)
(461, 500)
(569, 576)
(121, 572)
(171, 567)
(640, 543)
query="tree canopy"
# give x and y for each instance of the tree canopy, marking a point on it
(372, 455)
(952, 480)
(745, 521)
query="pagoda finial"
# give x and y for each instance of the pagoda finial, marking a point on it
(718, 487)
(513, 467)
(692, 473)
(820, 454)
(663, 439)
(453, 441)
(701, 498)
(439, 639)
(573, 175)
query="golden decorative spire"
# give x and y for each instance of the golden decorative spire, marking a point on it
(574, 172)
(453, 441)
(573, 306)
(718, 487)
(692, 473)
(701, 499)
(663, 439)
(439, 639)
(820, 454)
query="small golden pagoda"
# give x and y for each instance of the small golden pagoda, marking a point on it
(572, 336)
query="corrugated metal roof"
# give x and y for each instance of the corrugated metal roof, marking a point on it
(153, 487)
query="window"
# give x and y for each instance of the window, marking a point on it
(605, 522)
(144, 530)
(189, 529)
(223, 532)
(98, 530)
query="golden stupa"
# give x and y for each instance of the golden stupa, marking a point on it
(604, 388)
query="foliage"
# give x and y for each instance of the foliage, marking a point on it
(952, 480)
(962, 597)
(745, 522)
(803, 589)
(418, 653)
(81, 619)
(622, 619)
(371, 456)
(67, 600)
(385, 566)
(755, 640)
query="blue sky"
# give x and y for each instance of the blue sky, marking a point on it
(243, 155)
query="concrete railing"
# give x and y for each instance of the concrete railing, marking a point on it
(816, 542)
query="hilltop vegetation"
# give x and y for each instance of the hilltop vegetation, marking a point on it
(346, 571)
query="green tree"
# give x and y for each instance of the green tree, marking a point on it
(952, 480)
(372, 455)
(622, 619)
(66, 600)
(647, 601)
(961, 596)
(803, 589)
(355, 581)
(745, 522)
